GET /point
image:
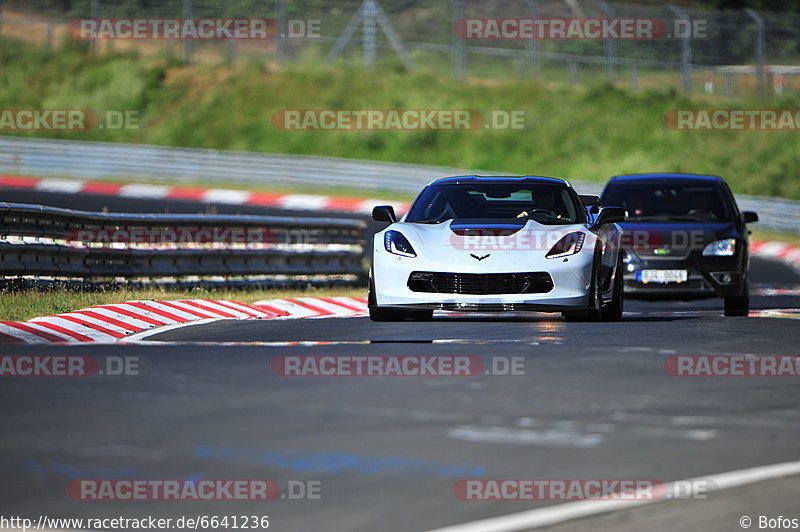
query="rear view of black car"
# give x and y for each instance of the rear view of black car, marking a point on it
(684, 238)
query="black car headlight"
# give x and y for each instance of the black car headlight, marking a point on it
(721, 248)
(568, 245)
(397, 244)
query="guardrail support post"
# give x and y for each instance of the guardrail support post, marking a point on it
(531, 64)
(459, 49)
(187, 43)
(686, 52)
(610, 45)
(95, 13)
(759, 51)
(280, 31)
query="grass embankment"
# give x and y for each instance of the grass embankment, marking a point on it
(582, 133)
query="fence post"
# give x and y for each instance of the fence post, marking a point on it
(459, 50)
(760, 37)
(280, 31)
(370, 14)
(572, 70)
(610, 45)
(532, 45)
(187, 43)
(95, 13)
(686, 52)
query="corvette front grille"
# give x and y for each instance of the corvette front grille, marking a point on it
(480, 283)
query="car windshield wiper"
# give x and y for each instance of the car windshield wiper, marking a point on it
(428, 221)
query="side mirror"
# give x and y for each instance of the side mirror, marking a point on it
(590, 201)
(384, 213)
(609, 215)
(749, 217)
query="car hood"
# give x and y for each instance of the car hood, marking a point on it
(457, 232)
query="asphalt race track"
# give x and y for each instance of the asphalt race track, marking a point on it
(594, 401)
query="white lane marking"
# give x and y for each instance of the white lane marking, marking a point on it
(553, 515)
(229, 196)
(134, 190)
(548, 437)
(64, 186)
(138, 337)
(306, 202)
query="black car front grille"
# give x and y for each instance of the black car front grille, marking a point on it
(668, 253)
(480, 283)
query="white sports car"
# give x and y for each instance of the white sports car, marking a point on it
(498, 244)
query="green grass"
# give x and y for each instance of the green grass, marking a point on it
(24, 305)
(576, 132)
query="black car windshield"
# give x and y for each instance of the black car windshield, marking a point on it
(549, 204)
(660, 201)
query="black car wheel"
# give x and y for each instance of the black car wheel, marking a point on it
(595, 310)
(612, 311)
(739, 305)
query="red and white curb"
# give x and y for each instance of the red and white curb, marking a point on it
(779, 251)
(133, 320)
(300, 202)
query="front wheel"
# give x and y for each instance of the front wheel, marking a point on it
(595, 310)
(739, 305)
(612, 311)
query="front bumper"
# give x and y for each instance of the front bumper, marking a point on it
(706, 276)
(570, 280)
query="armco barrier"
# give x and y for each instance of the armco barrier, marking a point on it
(53, 243)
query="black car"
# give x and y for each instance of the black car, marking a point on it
(684, 238)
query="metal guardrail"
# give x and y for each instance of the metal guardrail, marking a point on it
(131, 162)
(38, 241)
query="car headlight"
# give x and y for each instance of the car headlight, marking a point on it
(720, 248)
(568, 245)
(397, 244)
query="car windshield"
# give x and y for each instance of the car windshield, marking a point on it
(549, 204)
(659, 201)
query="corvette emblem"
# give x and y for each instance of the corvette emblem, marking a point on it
(480, 258)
